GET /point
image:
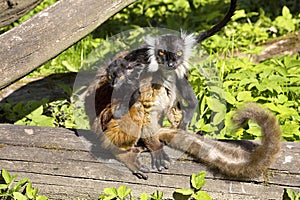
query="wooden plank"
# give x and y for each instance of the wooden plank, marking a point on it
(12, 10)
(66, 166)
(49, 32)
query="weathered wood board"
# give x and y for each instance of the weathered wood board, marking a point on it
(49, 32)
(65, 166)
(12, 10)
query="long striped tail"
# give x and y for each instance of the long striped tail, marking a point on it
(228, 158)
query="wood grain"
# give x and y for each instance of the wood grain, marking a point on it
(68, 164)
(49, 32)
(12, 10)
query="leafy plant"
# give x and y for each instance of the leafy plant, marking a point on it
(124, 193)
(21, 190)
(222, 85)
(112, 193)
(197, 182)
(290, 195)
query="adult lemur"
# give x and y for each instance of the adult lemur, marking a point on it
(130, 98)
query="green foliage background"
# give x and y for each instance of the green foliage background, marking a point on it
(223, 81)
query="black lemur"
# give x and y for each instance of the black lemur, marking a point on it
(155, 78)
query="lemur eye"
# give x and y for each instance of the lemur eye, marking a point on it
(161, 53)
(179, 53)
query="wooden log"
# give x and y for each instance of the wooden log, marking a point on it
(284, 45)
(12, 10)
(49, 32)
(67, 164)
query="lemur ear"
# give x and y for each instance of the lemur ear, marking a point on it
(150, 41)
(189, 42)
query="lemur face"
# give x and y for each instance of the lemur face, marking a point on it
(169, 59)
(169, 51)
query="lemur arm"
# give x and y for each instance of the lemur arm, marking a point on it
(187, 101)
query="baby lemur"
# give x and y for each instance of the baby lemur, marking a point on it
(130, 98)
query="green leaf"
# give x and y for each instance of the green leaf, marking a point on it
(201, 195)
(289, 193)
(244, 96)
(286, 13)
(123, 191)
(19, 196)
(102, 196)
(68, 66)
(197, 180)
(289, 129)
(185, 191)
(230, 98)
(37, 112)
(144, 196)
(43, 120)
(218, 118)
(215, 105)
(6, 176)
(282, 99)
(157, 195)
(13, 178)
(238, 14)
(30, 192)
(41, 198)
(112, 192)
(3, 186)
(20, 184)
(254, 129)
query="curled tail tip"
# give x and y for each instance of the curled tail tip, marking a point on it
(252, 111)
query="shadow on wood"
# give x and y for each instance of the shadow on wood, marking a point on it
(65, 166)
(53, 87)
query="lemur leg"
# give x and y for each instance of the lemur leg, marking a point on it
(130, 159)
(160, 158)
